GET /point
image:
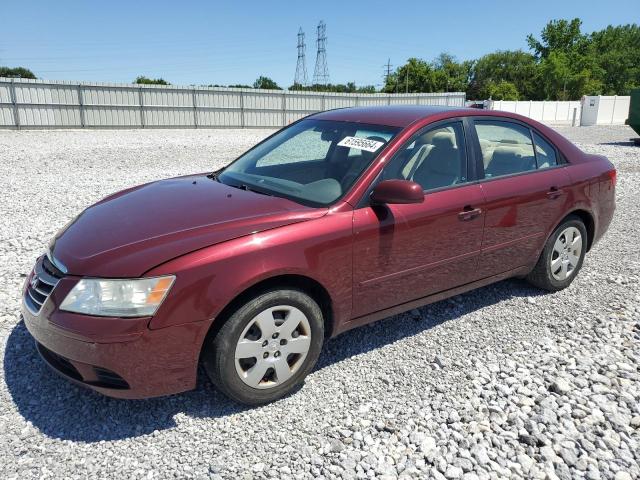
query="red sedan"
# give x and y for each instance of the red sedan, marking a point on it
(340, 219)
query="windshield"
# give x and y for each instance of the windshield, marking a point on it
(314, 162)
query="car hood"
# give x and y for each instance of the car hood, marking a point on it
(134, 230)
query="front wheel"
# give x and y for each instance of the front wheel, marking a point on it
(562, 256)
(267, 347)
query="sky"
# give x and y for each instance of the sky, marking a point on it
(211, 42)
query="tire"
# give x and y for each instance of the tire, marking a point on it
(278, 332)
(559, 264)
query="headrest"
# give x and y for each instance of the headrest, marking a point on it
(502, 154)
(443, 140)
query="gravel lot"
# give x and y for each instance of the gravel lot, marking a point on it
(503, 382)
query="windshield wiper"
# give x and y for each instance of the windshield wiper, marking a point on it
(247, 188)
(214, 175)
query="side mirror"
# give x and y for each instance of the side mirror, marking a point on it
(397, 191)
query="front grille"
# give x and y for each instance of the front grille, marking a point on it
(43, 280)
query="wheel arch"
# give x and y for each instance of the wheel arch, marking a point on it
(308, 285)
(589, 223)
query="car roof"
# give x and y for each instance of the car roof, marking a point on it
(391, 115)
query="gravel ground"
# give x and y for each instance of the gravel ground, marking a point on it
(502, 382)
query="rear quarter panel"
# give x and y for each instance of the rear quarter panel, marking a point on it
(594, 190)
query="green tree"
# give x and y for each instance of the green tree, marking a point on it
(515, 67)
(502, 90)
(449, 75)
(142, 80)
(414, 76)
(266, 83)
(568, 61)
(350, 87)
(558, 36)
(16, 72)
(617, 53)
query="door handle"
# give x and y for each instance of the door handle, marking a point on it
(469, 213)
(554, 192)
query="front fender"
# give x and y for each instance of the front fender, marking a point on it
(209, 279)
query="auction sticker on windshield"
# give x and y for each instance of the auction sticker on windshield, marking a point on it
(360, 143)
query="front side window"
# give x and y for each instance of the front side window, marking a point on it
(314, 162)
(506, 148)
(435, 158)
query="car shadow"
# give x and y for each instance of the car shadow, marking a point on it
(62, 410)
(622, 143)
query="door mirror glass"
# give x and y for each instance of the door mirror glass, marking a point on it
(397, 192)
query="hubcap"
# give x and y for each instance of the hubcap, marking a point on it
(273, 346)
(566, 253)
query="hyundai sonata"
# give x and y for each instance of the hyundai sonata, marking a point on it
(340, 219)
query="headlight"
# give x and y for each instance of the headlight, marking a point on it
(139, 297)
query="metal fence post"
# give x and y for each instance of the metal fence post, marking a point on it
(195, 108)
(142, 122)
(16, 114)
(284, 108)
(241, 108)
(613, 110)
(81, 104)
(322, 104)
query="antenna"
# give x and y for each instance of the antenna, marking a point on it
(321, 72)
(301, 66)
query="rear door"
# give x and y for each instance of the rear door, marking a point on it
(525, 186)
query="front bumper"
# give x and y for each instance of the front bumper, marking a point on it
(119, 357)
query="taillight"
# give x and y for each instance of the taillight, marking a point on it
(613, 175)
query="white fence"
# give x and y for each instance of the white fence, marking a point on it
(601, 110)
(550, 112)
(50, 104)
(596, 110)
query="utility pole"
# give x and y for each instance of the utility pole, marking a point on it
(407, 80)
(387, 74)
(301, 66)
(321, 71)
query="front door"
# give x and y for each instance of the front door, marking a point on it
(405, 252)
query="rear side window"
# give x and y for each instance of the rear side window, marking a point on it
(506, 148)
(545, 153)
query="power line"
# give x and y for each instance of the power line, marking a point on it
(321, 72)
(301, 66)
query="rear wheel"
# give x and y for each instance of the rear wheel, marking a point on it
(562, 256)
(267, 347)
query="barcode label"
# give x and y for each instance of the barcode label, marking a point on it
(360, 143)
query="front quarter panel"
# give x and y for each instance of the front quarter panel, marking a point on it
(209, 279)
